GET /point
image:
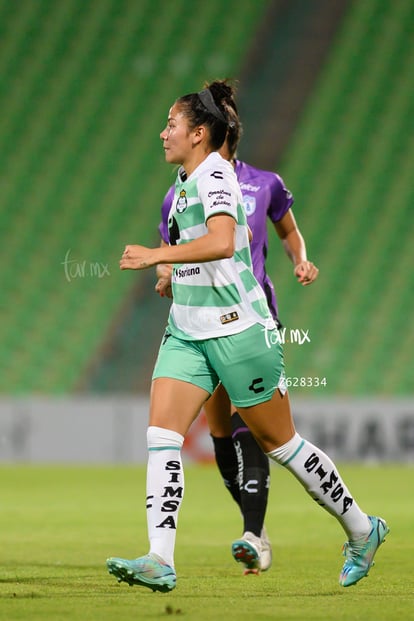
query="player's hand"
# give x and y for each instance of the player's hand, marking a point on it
(163, 286)
(137, 258)
(306, 272)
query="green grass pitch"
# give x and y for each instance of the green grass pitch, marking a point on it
(58, 524)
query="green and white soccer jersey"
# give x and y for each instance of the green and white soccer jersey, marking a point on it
(219, 297)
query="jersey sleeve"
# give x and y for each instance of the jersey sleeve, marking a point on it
(165, 210)
(218, 193)
(281, 199)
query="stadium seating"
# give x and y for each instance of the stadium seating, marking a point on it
(350, 166)
(84, 93)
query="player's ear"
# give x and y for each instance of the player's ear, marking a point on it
(199, 134)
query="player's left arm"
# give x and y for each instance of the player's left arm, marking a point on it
(294, 244)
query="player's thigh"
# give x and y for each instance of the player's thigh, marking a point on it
(182, 381)
(175, 404)
(249, 364)
(186, 361)
(217, 410)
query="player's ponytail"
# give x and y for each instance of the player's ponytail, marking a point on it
(225, 93)
(214, 106)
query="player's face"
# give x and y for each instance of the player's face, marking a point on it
(176, 137)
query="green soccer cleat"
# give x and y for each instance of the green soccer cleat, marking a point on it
(148, 571)
(360, 553)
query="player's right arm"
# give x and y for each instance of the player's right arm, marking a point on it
(294, 244)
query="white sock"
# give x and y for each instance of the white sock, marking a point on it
(165, 490)
(318, 475)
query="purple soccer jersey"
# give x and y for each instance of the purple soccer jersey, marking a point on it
(264, 196)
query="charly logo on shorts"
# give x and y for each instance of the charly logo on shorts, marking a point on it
(249, 204)
(182, 202)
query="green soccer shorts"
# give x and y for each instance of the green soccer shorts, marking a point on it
(249, 364)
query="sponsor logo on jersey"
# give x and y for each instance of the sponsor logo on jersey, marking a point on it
(249, 204)
(181, 202)
(218, 203)
(217, 174)
(187, 271)
(218, 193)
(228, 317)
(249, 187)
(219, 198)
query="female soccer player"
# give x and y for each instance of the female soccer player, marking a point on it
(220, 329)
(243, 465)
